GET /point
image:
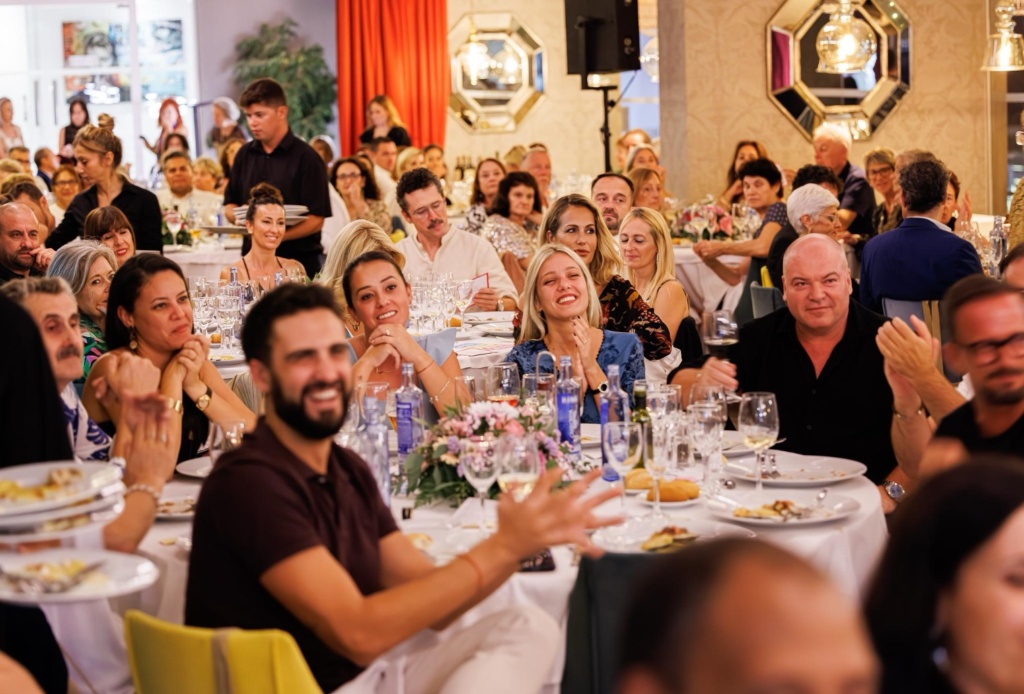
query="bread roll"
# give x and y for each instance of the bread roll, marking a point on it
(676, 490)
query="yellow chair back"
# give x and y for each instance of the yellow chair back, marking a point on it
(766, 279)
(168, 659)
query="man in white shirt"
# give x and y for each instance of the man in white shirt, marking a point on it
(384, 153)
(434, 247)
(177, 168)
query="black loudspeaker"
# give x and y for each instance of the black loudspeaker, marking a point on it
(612, 36)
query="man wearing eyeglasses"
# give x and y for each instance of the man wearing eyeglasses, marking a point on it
(920, 259)
(986, 321)
(434, 248)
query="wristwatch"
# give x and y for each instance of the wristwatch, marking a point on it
(895, 490)
(203, 401)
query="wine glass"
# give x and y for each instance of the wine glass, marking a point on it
(711, 393)
(462, 295)
(759, 425)
(173, 221)
(225, 436)
(480, 468)
(202, 313)
(623, 444)
(226, 310)
(705, 427)
(698, 221)
(520, 465)
(719, 330)
(502, 383)
(377, 390)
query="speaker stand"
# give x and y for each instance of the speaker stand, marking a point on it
(607, 103)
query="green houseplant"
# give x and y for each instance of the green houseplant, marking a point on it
(308, 83)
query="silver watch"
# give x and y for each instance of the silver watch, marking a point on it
(895, 490)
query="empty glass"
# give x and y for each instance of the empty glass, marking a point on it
(480, 468)
(539, 392)
(706, 423)
(623, 444)
(465, 391)
(225, 436)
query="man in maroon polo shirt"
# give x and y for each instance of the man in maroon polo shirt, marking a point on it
(291, 533)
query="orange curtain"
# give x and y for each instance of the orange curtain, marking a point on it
(398, 48)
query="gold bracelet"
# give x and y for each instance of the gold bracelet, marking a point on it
(435, 398)
(432, 363)
(175, 405)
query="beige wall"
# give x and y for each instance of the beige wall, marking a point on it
(566, 119)
(714, 88)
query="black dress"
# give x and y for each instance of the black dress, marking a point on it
(397, 134)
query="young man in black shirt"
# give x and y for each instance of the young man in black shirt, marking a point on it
(986, 320)
(277, 157)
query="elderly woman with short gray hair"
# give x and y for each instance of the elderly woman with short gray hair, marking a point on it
(811, 210)
(88, 267)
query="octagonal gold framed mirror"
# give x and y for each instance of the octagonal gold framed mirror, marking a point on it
(498, 71)
(808, 96)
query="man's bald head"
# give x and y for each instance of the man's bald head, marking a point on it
(15, 210)
(738, 616)
(816, 246)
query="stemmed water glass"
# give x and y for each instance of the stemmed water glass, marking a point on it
(520, 465)
(623, 444)
(202, 313)
(705, 427)
(226, 311)
(759, 425)
(663, 440)
(539, 392)
(480, 467)
(503, 384)
(462, 295)
(711, 393)
(465, 391)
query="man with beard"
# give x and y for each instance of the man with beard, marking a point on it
(613, 195)
(291, 533)
(986, 321)
(21, 254)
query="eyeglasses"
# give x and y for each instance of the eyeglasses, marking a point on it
(987, 351)
(885, 171)
(830, 219)
(435, 207)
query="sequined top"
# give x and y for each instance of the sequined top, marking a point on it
(624, 310)
(94, 347)
(476, 218)
(508, 237)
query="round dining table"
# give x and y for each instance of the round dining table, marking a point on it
(705, 290)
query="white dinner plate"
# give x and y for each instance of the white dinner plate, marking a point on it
(642, 529)
(197, 467)
(120, 574)
(176, 508)
(228, 359)
(497, 331)
(833, 509)
(478, 317)
(671, 504)
(95, 476)
(105, 498)
(590, 435)
(800, 470)
(69, 526)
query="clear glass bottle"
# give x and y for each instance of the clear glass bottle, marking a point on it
(408, 413)
(567, 404)
(614, 407)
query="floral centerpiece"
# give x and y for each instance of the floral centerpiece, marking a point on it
(714, 223)
(433, 468)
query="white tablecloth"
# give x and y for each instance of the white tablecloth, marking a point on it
(704, 289)
(477, 354)
(204, 262)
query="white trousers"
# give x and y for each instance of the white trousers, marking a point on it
(509, 652)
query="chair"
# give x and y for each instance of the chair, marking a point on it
(929, 311)
(168, 659)
(764, 300)
(688, 340)
(242, 386)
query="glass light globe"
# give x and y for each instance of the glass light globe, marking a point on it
(846, 43)
(649, 60)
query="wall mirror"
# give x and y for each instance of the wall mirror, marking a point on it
(859, 100)
(497, 71)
